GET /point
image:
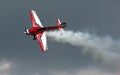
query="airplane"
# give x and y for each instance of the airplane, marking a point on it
(38, 31)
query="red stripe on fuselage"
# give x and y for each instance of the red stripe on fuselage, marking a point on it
(33, 30)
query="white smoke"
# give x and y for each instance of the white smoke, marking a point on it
(5, 67)
(88, 71)
(84, 71)
(101, 48)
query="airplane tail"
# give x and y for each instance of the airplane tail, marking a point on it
(60, 25)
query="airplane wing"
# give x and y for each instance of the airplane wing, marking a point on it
(35, 20)
(42, 41)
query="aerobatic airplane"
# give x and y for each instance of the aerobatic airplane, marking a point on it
(39, 31)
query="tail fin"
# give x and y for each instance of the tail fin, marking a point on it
(58, 23)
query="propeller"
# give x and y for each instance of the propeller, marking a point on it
(25, 31)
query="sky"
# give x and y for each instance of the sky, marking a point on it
(20, 55)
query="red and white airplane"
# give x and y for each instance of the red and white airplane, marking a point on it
(39, 31)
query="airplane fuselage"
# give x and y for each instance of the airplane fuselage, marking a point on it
(36, 30)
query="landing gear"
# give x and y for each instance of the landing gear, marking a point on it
(34, 37)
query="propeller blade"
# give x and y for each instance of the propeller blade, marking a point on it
(25, 30)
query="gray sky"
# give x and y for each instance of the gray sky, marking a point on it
(22, 55)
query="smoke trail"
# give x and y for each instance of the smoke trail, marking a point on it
(103, 48)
